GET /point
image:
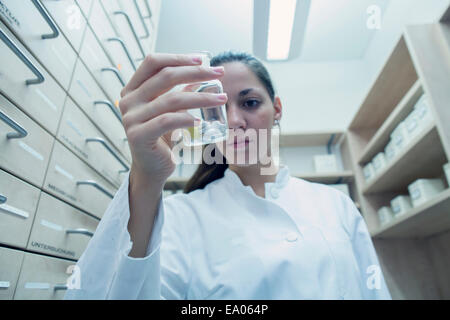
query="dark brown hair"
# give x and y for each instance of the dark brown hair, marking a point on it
(207, 173)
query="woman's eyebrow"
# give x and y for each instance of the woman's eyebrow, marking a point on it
(245, 92)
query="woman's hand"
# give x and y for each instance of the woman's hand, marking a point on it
(150, 113)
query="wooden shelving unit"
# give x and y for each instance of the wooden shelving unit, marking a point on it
(327, 178)
(428, 219)
(418, 64)
(411, 164)
(382, 135)
(310, 138)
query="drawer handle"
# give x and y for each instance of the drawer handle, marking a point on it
(147, 34)
(20, 131)
(116, 72)
(133, 31)
(114, 154)
(124, 47)
(48, 19)
(60, 287)
(147, 6)
(111, 107)
(4, 284)
(96, 185)
(80, 231)
(3, 199)
(25, 60)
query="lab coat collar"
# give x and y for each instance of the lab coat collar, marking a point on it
(281, 179)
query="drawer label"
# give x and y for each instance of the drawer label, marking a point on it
(83, 87)
(7, 14)
(12, 210)
(52, 248)
(37, 285)
(63, 172)
(75, 128)
(44, 98)
(31, 151)
(84, 154)
(56, 189)
(51, 225)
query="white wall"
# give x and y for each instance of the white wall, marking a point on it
(318, 96)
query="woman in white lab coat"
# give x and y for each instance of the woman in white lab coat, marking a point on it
(237, 232)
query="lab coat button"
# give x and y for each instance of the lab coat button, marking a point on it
(291, 237)
(274, 192)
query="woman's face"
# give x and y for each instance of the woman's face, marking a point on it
(250, 115)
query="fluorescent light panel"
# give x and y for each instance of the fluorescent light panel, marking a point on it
(281, 22)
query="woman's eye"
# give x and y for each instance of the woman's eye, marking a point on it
(251, 103)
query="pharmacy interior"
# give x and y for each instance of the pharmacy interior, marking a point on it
(366, 110)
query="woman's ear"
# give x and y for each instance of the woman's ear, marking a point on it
(278, 108)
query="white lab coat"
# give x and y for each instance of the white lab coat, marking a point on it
(303, 241)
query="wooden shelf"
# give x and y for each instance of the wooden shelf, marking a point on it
(425, 220)
(308, 139)
(383, 134)
(414, 247)
(327, 177)
(422, 158)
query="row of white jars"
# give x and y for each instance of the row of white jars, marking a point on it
(420, 192)
(405, 132)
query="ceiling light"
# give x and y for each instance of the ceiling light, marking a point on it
(281, 21)
(279, 28)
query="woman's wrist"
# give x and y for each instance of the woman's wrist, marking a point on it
(140, 181)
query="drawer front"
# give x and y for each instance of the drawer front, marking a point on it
(128, 27)
(17, 212)
(75, 132)
(150, 9)
(30, 25)
(138, 12)
(44, 101)
(69, 18)
(60, 229)
(142, 26)
(155, 7)
(85, 6)
(40, 277)
(86, 92)
(115, 47)
(11, 262)
(96, 60)
(26, 157)
(64, 175)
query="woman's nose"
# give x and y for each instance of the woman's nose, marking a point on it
(235, 117)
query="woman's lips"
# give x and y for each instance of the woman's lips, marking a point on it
(241, 144)
(237, 141)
